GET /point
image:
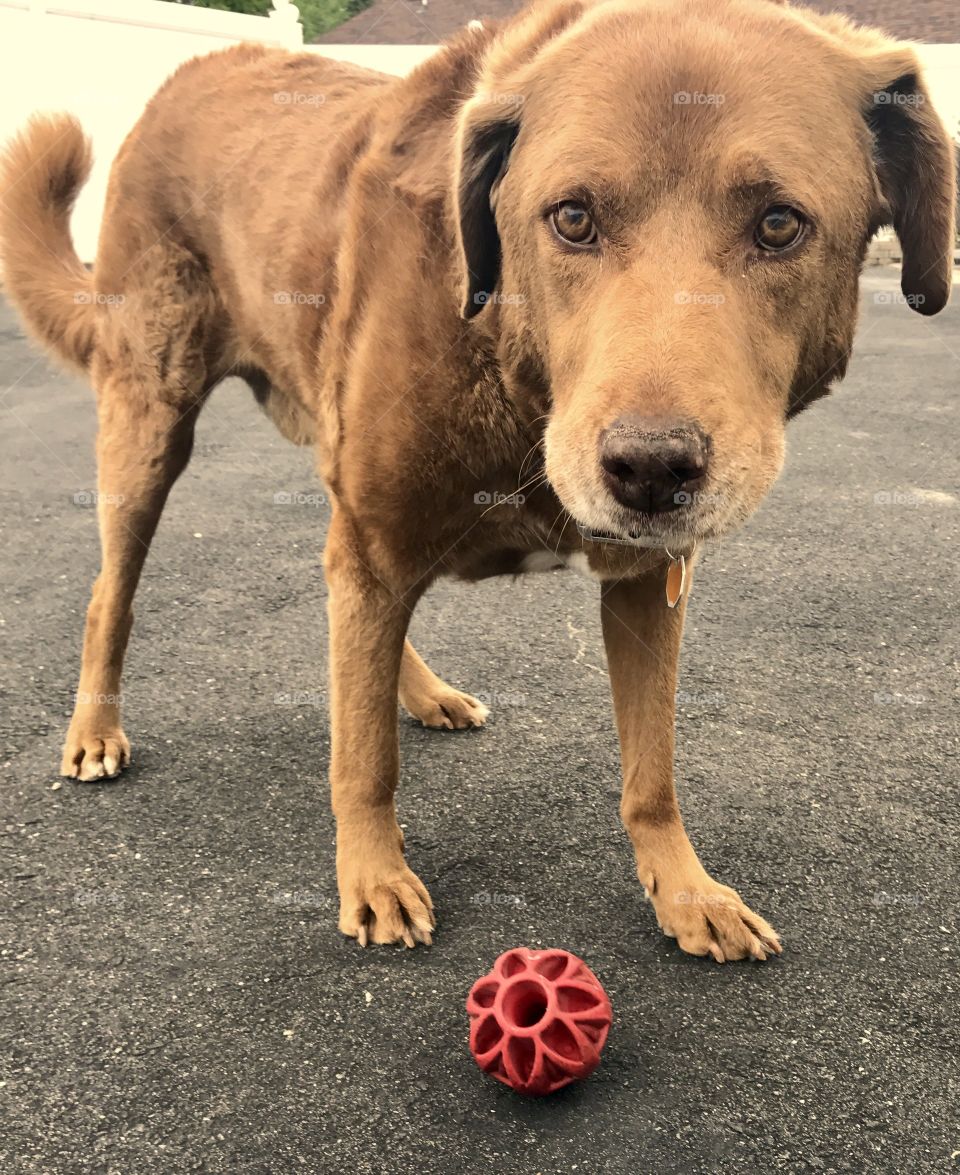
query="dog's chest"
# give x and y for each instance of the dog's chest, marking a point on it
(547, 560)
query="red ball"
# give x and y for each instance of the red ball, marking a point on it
(539, 1020)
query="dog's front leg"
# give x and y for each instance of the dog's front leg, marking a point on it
(642, 638)
(381, 899)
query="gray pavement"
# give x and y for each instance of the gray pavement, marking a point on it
(176, 996)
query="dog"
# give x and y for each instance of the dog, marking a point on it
(547, 301)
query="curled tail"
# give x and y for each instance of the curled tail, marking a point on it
(41, 171)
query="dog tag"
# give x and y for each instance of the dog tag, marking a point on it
(676, 581)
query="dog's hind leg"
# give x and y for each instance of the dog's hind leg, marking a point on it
(429, 699)
(149, 393)
(143, 445)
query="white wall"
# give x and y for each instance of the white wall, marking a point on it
(941, 65)
(103, 59)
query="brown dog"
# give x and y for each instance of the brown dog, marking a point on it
(550, 299)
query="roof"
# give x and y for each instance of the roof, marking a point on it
(411, 22)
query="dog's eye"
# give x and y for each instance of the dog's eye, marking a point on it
(780, 228)
(574, 224)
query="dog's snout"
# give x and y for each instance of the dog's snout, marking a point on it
(653, 466)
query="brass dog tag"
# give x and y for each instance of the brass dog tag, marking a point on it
(676, 581)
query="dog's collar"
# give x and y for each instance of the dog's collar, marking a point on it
(677, 577)
(602, 536)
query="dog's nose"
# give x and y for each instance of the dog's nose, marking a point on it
(654, 465)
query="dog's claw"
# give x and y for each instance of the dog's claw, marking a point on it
(447, 710)
(91, 757)
(711, 919)
(393, 910)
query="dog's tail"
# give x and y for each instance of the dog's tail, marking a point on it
(41, 171)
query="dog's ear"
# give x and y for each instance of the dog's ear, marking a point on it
(487, 133)
(916, 172)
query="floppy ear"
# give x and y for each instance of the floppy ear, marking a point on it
(916, 171)
(487, 134)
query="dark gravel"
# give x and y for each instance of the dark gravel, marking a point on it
(176, 996)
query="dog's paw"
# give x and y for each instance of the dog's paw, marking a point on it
(707, 918)
(384, 906)
(89, 755)
(446, 709)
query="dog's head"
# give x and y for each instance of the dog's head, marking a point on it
(663, 209)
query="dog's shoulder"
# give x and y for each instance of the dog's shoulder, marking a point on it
(416, 123)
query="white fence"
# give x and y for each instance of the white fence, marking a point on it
(103, 59)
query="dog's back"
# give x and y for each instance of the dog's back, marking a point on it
(191, 179)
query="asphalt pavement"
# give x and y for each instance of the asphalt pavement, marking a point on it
(175, 994)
